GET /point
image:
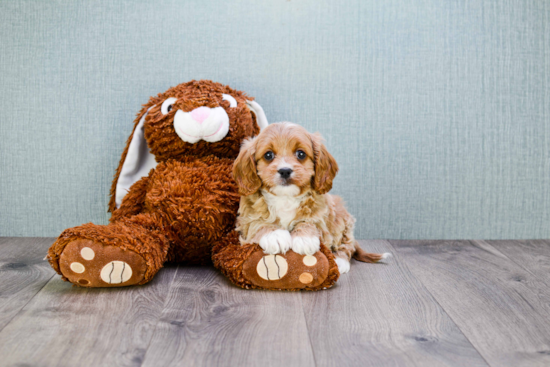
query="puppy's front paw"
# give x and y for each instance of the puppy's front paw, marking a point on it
(343, 265)
(305, 245)
(276, 242)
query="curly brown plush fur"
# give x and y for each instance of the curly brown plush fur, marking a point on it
(183, 211)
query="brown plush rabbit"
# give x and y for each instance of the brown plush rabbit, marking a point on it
(173, 197)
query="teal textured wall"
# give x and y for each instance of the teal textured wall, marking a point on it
(437, 111)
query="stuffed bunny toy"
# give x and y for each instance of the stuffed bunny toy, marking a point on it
(173, 197)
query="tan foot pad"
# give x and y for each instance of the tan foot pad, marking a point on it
(288, 271)
(90, 264)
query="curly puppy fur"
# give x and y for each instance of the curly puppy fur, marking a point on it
(188, 203)
(284, 175)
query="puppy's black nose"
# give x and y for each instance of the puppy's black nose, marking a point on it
(285, 172)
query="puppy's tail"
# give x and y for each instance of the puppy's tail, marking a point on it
(367, 257)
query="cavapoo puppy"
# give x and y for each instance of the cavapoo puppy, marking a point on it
(284, 175)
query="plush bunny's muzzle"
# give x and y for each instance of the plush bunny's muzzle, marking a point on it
(209, 124)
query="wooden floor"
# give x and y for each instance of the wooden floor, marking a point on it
(435, 303)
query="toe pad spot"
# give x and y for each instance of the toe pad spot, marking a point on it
(309, 260)
(306, 278)
(77, 267)
(87, 253)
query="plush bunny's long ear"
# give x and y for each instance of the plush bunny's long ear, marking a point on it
(259, 112)
(136, 162)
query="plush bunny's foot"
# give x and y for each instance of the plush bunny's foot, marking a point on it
(286, 271)
(129, 251)
(248, 266)
(91, 264)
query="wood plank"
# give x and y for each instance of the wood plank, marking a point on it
(71, 326)
(209, 322)
(23, 273)
(381, 315)
(500, 307)
(532, 255)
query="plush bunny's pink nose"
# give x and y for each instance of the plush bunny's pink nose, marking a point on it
(200, 114)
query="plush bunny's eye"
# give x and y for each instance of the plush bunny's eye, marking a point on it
(232, 101)
(167, 105)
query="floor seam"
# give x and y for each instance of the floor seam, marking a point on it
(307, 328)
(26, 303)
(403, 262)
(160, 315)
(511, 259)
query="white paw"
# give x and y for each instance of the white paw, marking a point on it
(276, 242)
(306, 245)
(343, 265)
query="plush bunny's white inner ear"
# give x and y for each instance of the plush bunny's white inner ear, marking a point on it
(137, 164)
(259, 112)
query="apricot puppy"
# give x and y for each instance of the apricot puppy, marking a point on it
(284, 175)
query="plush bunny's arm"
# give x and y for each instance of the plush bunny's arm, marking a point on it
(132, 203)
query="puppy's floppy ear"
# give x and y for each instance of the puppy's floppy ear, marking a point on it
(244, 169)
(326, 167)
(136, 161)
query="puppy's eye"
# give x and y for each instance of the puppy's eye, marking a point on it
(301, 154)
(167, 105)
(232, 101)
(269, 156)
